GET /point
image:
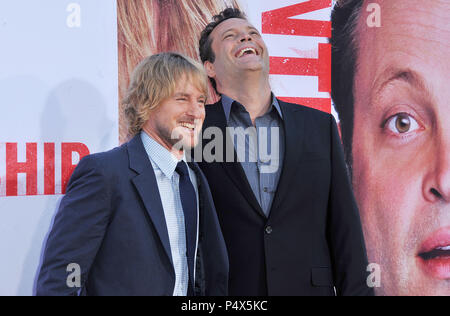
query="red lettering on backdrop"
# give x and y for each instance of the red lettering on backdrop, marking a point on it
(49, 168)
(13, 168)
(30, 167)
(320, 67)
(280, 21)
(67, 166)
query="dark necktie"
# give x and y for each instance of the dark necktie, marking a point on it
(189, 203)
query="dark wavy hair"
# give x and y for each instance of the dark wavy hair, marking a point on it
(206, 52)
(344, 21)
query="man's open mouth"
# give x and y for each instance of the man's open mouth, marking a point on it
(247, 51)
(435, 254)
(189, 126)
(439, 252)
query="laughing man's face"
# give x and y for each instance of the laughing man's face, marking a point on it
(238, 47)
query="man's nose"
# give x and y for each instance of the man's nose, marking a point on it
(246, 37)
(437, 183)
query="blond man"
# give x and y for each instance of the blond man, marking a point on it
(139, 219)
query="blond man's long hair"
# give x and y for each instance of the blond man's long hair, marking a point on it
(147, 27)
(155, 80)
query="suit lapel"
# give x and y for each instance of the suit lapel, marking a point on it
(147, 187)
(234, 169)
(212, 253)
(294, 133)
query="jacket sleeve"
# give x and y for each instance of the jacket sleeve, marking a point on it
(345, 236)
(77, 232)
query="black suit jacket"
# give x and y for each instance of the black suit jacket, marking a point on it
(111, 223)
(312, 241)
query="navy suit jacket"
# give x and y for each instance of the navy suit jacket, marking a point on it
(111, 223)
(312, 241)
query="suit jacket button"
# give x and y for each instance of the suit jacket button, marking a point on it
(269, 230)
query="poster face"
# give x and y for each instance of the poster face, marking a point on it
(390, 85)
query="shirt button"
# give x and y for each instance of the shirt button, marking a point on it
(269, 230)
(266, 190)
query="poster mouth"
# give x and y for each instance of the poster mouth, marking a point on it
(434, 256)
(438, 268)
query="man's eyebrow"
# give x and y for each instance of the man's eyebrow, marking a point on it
(234, 29)
(181, 94)
(406, 75)
(228, 30)
(184, 94)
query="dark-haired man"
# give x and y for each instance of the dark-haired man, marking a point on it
(395, 117)
(293, 229)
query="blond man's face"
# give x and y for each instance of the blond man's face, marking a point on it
(401, 144)
(178, 120)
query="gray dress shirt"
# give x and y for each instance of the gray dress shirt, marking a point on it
(261, 154)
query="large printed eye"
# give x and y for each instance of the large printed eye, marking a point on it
(402, 123)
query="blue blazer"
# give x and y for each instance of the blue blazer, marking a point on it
(111, 223)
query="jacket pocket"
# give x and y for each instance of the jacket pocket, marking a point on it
(321, 277)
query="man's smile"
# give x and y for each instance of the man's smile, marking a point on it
(435, 254)
(246, 51)
(189, 126)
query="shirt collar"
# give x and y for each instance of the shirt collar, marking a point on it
(227, 104)
(160, 156)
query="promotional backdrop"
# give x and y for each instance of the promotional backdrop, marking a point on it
(65, 65)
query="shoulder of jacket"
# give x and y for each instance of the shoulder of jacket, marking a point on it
(107, 161)
(307, 111)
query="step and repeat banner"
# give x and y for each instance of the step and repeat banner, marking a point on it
(65, 65)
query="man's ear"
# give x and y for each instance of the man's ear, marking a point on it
(209, 67)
